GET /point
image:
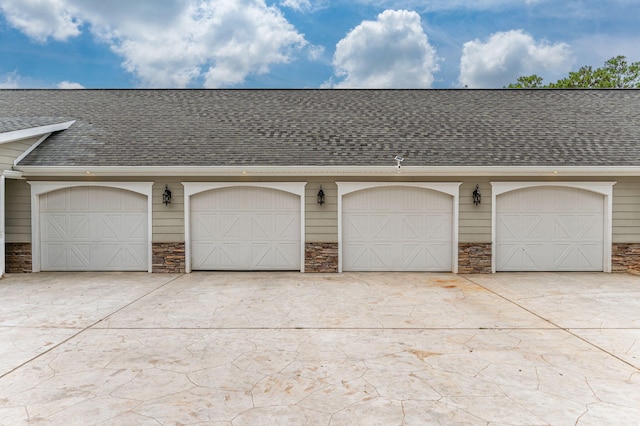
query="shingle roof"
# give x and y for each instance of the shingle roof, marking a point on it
(332, 127)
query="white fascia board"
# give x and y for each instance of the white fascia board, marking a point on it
(18, 135)
(12, 174)
(385, 171)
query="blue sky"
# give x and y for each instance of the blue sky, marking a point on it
(307, 43)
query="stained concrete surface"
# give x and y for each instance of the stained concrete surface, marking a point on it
(320, 349)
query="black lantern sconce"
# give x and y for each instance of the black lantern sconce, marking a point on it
(166, 196)
(477, 197)
(321, 196)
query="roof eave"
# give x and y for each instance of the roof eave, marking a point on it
(382, 171)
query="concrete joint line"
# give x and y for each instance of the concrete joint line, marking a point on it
(567, 330)
(82, 330)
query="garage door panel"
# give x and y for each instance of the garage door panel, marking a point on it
(122, 256)
(397, 229)
(550, 229)
(371, 257)
(226, 256)
(245, 228)
(82, 230)
(121, 227)
(578, 257)
(518, 257)
(208, 226)
(274, 226)
(420, 257)
(267, 255)
(66, 257)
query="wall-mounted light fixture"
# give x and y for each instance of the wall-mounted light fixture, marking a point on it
(477, 197)
(321, 196)
(166, 196)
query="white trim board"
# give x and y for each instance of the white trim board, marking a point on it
(449, 188)
(18, 135)
(192, 188)
(602, 188)
(304, 171)
(39, 188)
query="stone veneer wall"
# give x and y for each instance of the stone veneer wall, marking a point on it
(321, 257)
(18, 258)
(168, 258)
(474, 258)
(625, 257)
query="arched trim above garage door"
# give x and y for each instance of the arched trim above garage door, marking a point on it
(450, 188)
(193, 188)
(40, 188)
(603, 188)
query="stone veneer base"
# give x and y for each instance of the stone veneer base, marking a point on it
(168, 258)
(474, 258)
(625, 257)
(18, 258)
(321, 257)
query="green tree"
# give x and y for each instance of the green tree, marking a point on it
(527, 82)
(616, 73)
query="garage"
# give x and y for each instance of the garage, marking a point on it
(245, 228)
(553, 227)
(89, 228)
(398, 228)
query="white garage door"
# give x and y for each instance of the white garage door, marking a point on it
(550, 229)
(397, 229)
(93, 229)
(245, 228)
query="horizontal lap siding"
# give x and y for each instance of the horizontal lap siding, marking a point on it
(9, 152)
(18, 211)
(321, 222)
(626, 210)
(168, 221)
(475, 221)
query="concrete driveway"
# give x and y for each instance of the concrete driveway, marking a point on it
(295, 349)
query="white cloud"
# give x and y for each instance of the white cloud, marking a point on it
(305, 5)
(69, 85)
(297, 4)
(42, 19)
(391, 52)
(508, 55)
(10, 81)
(440, 5)
(166, 43)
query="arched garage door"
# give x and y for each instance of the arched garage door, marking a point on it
(93, 229)
(397, 228)
(245, 228)
(550, 228)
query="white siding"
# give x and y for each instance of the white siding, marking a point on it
(168, 221)
(321, 222)
(12, 150)
(18, 211)
(626, 211)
